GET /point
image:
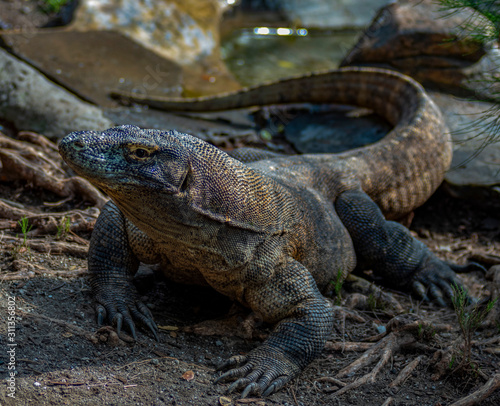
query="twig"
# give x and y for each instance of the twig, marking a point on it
(330, 379)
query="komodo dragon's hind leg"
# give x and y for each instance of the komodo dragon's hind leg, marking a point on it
(389, 250)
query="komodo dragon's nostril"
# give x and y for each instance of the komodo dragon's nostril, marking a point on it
(79, 145)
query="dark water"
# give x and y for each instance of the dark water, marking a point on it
(256, 58)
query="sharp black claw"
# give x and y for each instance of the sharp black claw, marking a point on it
(154, 329)
(470, 267)
(251, 388)
(118, 320)
(101, 315)
(221, 378)
(237, 384)
(269, 390)
(131, 327)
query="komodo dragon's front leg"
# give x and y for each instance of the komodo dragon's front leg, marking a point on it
(289, 296)
(116, 247)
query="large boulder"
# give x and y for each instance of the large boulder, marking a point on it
(184, 31)
(422, 40)
(31, 102)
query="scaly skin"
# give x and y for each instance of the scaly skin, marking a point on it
(273, 231)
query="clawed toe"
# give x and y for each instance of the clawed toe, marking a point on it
(124, 312)
(101, 314)
(261, 372)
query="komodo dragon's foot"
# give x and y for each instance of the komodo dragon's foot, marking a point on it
(263, 371)
(123, 309)
(435, 280)
(390, 251)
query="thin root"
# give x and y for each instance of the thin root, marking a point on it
(401, 331)
(481, 394)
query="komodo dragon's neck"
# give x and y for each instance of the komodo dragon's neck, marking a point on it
(400, 171)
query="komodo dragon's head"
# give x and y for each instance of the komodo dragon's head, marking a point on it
(126, 159)
(161, 175)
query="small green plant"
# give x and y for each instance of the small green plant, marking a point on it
(53, 6)
(452, 361)
(63, 228)
(469, 320)
(372, 302)
(25, 229)
(337, 287)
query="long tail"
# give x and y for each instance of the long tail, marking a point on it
(400, 171)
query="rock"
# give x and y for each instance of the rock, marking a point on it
(92, 64)
(474, 169)
(419, 39)
(31, 102)
(184, 31)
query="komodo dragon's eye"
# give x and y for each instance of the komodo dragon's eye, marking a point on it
(141, 153)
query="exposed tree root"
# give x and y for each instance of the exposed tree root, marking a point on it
(230, 326)
(347, 314)
(108, 335)
(47, 246)
(481, 394)
(389, 401)
(405, 372)
(47, 223)
(368, 296)
(401, 332)
(442, 359)
(38, 164)
(384, 351)
(484, 258)
(329, 379)
(35, 160)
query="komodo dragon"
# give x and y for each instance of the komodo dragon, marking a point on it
(274, 231)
